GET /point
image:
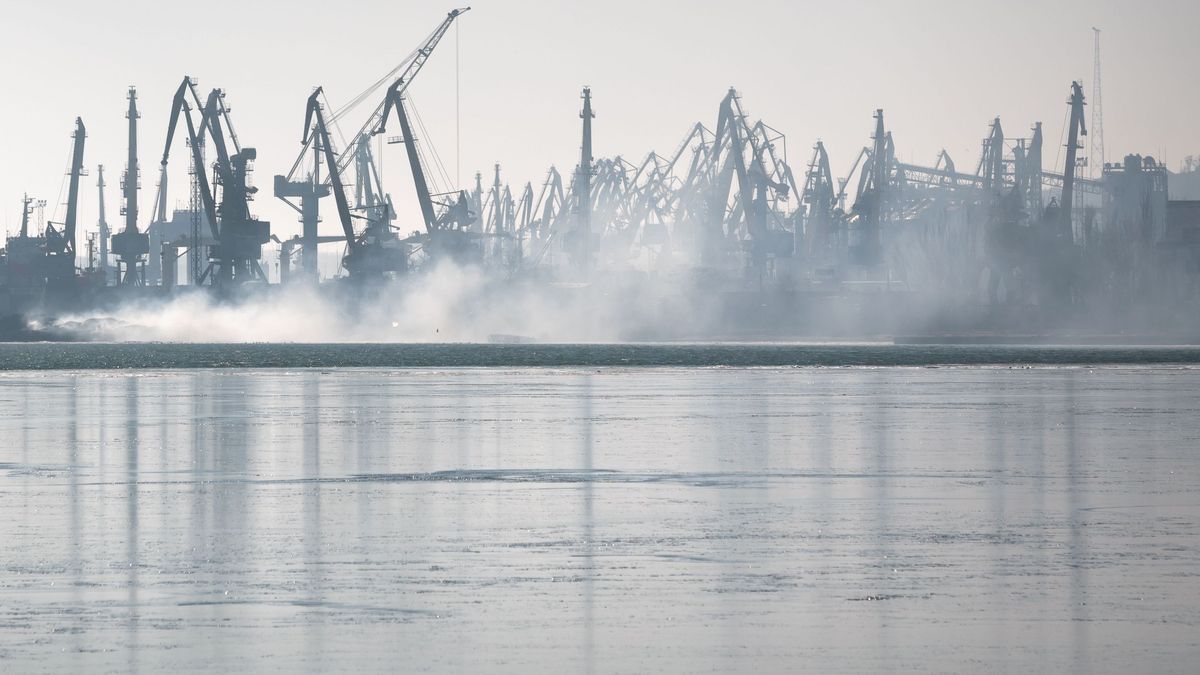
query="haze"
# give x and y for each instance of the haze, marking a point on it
(941, 70)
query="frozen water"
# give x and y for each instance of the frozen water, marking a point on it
(601, 520)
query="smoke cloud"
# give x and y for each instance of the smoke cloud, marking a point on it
(448, 303)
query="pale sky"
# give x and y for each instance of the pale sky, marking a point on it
(940, 69)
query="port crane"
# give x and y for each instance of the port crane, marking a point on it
(1029, 172)
(303, 194)
(1075, 129)
(60, 242)
(871, 198)
(102, 223)
(376, 250)
(546, 210)
(582, 209)
(131, 246)
(369, 197)
(744, 158)
(238, 237)
(446, 233)
(819, 198)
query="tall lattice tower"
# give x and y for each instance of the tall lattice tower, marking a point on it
(1096, 152)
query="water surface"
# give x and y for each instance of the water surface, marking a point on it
(116, 356)
(601, 519)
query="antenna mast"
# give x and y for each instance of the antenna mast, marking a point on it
(1096, 152)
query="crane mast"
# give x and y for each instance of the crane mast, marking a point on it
(102, 224)
(1033, 159)
(369, 194)
(991, 162)
(583, 186)
(131, 246)
(130, 185)
(26, 209)
(1027, 165)
(1075, 129)
(60, 243)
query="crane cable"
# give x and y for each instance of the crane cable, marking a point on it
(58, 201)
(1062, 141)
(337, 114)
(433, 153)
(457, 106)
(389, 77)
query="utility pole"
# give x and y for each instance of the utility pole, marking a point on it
(1096, 153)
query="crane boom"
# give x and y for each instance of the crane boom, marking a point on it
(1075, 129)
(178, 105)
(59, 247)
(403, 80)
(314, 125)
(233, 199)
(395, 100)
(181, 107)
(73, 191)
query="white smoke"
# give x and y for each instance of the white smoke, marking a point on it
(448, 303)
